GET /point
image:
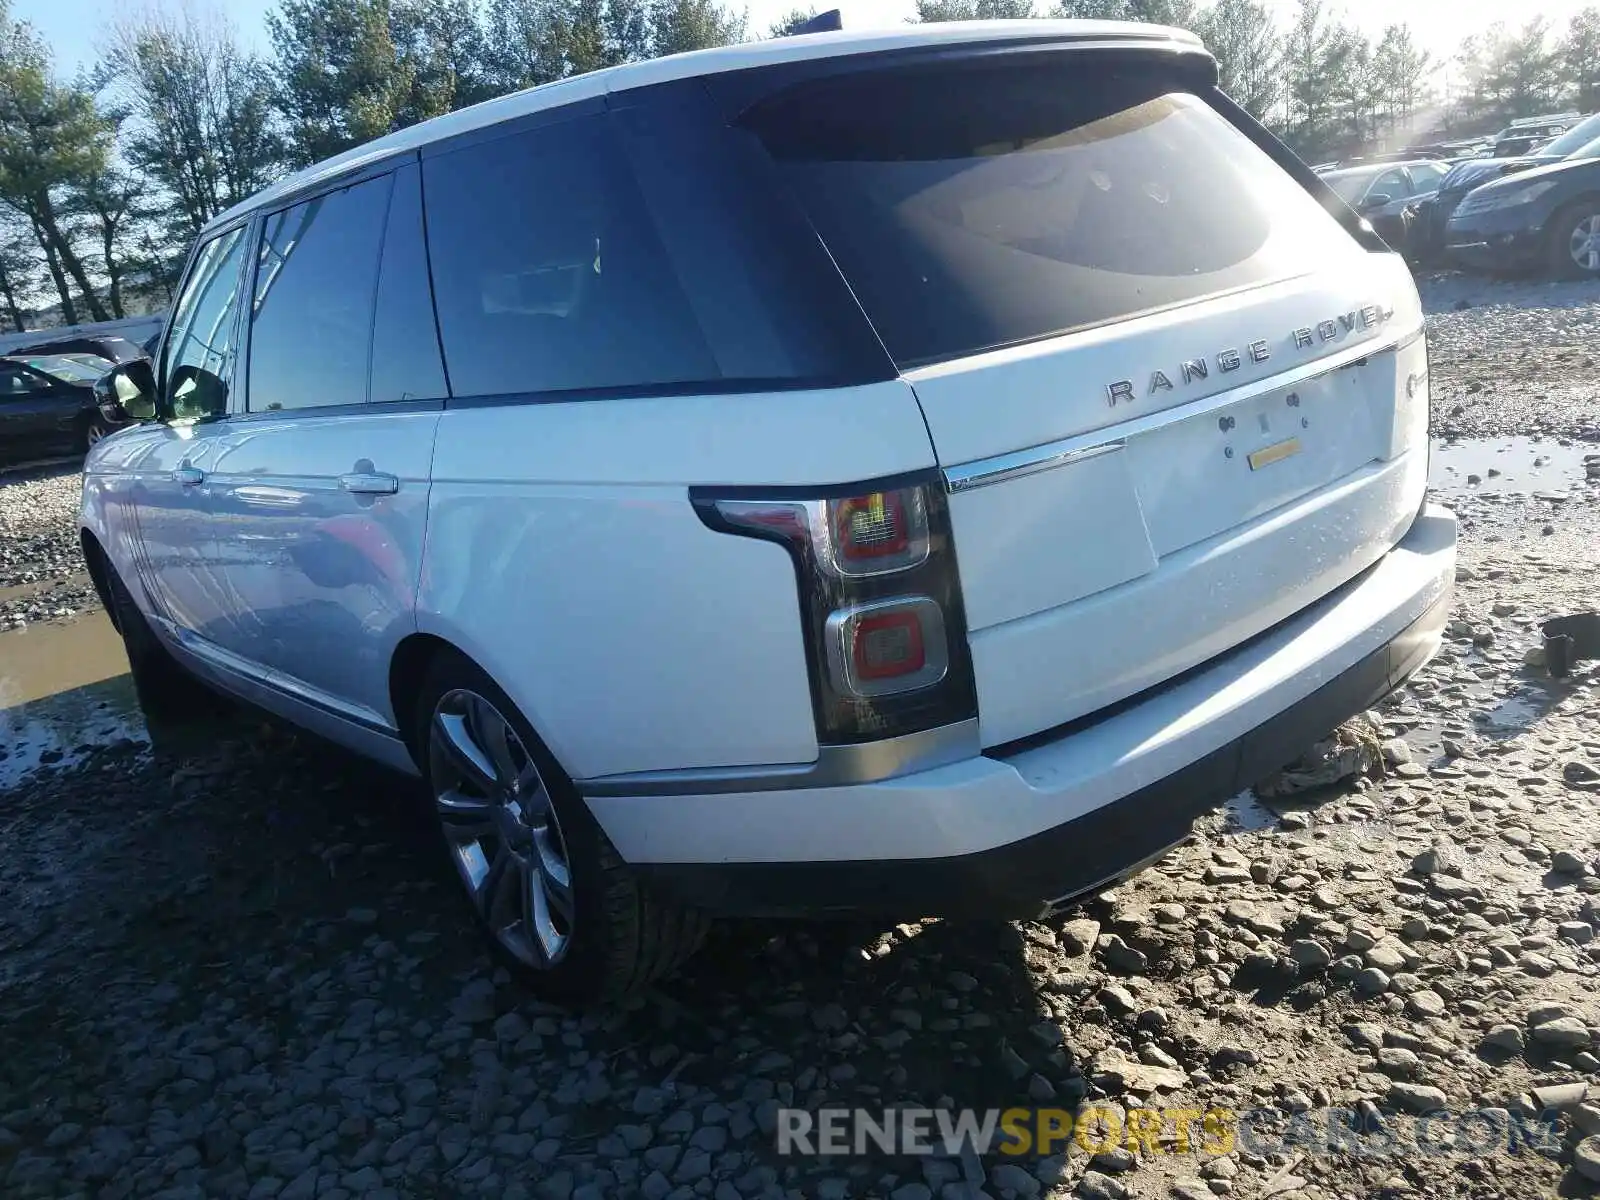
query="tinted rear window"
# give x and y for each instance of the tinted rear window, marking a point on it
(979, 207)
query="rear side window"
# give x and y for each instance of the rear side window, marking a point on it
(977, 207)
(546, 276)
(311, 318)
(630, 255)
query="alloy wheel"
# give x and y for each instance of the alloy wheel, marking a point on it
(1584, 245)
(94, 434)
(501, 828)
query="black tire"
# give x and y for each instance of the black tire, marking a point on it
(166, 691)
(620, 937)
(1564, 229)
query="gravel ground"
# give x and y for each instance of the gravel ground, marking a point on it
(1513, 357)
(232, 965)
(41, 565)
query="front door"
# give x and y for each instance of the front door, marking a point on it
(157, 480)
(319, 486)
(39, 417)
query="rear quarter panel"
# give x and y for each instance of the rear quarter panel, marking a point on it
(564, 557)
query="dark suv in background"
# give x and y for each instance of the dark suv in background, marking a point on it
(1432, 215)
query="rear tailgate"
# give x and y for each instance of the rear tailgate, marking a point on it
(1123, 552)
(1175, 400)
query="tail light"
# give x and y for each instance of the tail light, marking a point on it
(886, 639)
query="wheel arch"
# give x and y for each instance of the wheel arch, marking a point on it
(1566, 206)
(94, 557)
(408, 670)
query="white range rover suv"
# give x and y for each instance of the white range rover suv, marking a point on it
(912, 473)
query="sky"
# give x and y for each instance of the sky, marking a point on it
(75, 28)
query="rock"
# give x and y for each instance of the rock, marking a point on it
(1117, 1160)
(1565, 862)
(1120, 956)
(1386, 957)
(1559, 1097)
(1561, 1033)
(1586, 1118)
(1428, 862)
(1117, 1000)
(1578, 771)
(1540, 1013)
(1416, 1097)
(1579, 933)
(1372, 982)
(1586, 1159)
(1365, 1035)
(1078, 937)
(1426, 1004)
(1503, 1037)
(1009, 1177)
(1398, 1062)
(1310, 954)
(1095, 1186)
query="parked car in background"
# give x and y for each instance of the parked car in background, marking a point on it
(1581, 141)
(1522, 136)
(627, 512)
(48, 408)
(108, 349)
(1382, 192)
(1547, 218)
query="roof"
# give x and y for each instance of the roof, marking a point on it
(703, 62)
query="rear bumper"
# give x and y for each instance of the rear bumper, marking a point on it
(1008, 836)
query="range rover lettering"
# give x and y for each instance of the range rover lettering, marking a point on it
(701, 474)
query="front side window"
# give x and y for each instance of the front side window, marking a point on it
(311, 313)
(972, 207)
(200, 347)
(1393, 184)
(16, 383)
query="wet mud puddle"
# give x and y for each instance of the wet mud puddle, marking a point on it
(65, 692)
(1513, 465)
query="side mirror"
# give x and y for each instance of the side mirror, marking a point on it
(127, 392)
(1377, 201)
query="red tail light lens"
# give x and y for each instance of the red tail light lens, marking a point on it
(880, 599)
(887, 648)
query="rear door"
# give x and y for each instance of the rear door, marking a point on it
(318, 492)
(1160, 375)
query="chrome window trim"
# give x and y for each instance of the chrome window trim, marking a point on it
(835, 766)
(1013, 465)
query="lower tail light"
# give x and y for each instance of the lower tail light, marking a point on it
(880, 599)
(893, 646)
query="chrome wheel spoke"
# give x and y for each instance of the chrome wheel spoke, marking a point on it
(538, 923)
(493, 737)
(464, 817)
(553, 869)
(454, 740)
(492, 882)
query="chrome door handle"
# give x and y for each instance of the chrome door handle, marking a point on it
(369, 483)
(187, 476)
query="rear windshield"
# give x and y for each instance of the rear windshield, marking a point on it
(973, 208)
